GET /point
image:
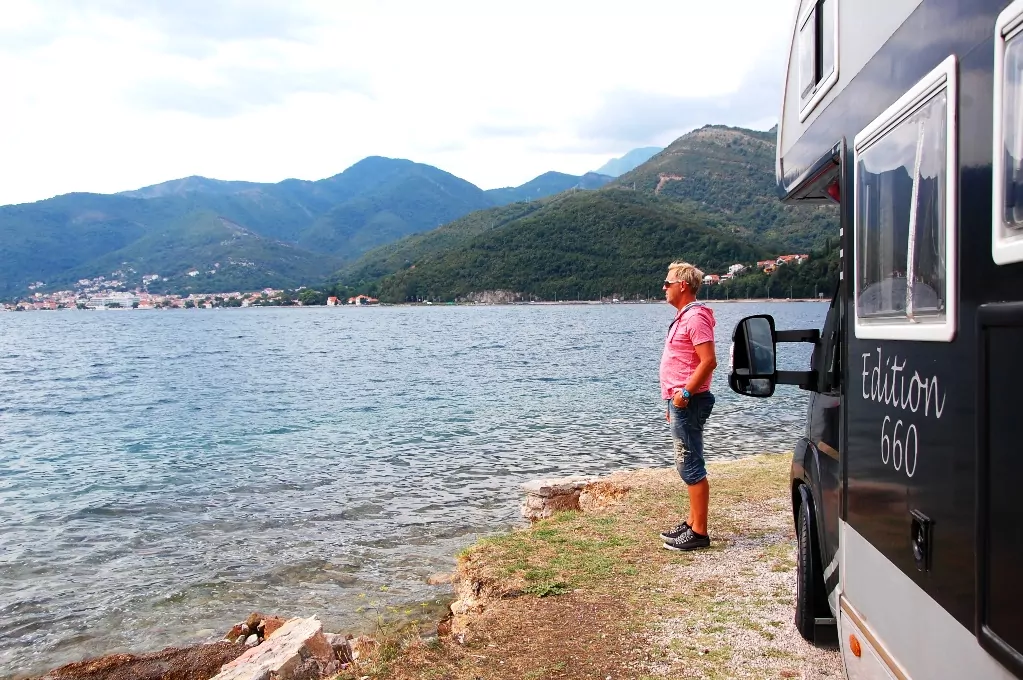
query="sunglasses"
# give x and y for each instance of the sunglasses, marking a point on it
(669, 283)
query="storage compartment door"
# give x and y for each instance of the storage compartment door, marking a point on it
(1000, 484)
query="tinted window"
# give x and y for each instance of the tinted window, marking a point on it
(901, 217)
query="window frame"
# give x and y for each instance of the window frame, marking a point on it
(943, 77)
(821, 87)
(1006, 247)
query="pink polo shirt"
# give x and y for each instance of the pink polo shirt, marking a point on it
(693, 326)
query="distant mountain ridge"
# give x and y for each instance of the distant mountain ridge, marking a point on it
(322, 223)
(192, 184)
(633, 159)
(548, 184)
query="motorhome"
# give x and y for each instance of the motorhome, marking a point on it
(909, 115)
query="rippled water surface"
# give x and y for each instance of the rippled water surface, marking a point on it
(164, 473)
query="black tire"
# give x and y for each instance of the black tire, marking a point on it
(809, 579)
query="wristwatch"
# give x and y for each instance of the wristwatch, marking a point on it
(685, 394)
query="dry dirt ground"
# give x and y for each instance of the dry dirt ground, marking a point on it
(594, 595)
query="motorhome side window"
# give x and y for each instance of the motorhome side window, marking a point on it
(1007, 156)
(818, 54)
(903, 218)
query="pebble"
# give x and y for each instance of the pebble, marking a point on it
(252, 640)
(439, 579)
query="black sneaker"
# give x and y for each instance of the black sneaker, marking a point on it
(672, 534)
(689, 540)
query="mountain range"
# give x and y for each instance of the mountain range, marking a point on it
(239, 233)
(408, 230)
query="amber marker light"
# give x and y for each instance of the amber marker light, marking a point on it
(854, 646)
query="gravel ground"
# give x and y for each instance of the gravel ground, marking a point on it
(748, 591)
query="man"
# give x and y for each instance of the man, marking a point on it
(687, 363)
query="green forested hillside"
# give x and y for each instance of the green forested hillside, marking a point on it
(393, 257)
(224, 255)
(582, 245)
(41, 240)
(708, 198)
(730, 172)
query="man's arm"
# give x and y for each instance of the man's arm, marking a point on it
(708, 362)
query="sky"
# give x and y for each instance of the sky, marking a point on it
(112, 95)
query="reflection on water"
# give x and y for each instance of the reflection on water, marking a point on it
(164, 473)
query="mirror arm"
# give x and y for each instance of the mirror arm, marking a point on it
(806, 380)
(809, 335)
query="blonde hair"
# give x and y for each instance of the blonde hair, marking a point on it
(683, 271)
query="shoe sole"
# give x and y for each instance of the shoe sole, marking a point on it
(668, 546)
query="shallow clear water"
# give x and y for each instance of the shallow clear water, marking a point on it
(164, 473)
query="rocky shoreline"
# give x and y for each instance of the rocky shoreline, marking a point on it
(583, 591)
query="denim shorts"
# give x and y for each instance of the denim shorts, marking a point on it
(687, 435)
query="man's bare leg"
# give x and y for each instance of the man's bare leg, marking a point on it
(699, 501)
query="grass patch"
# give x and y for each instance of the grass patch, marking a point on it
(593, 579)
(548, 588)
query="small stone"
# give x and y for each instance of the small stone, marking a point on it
(232, 635)
(444, 625)
(339, 643)
(439, 579)
(252, 640)
(272, 624)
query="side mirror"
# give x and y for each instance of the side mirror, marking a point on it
(754, 373)
(753, 357)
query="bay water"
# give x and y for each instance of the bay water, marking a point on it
(164, 473)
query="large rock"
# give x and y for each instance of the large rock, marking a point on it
(545, 497)
(298, 650)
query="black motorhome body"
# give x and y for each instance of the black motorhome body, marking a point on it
(909, 114)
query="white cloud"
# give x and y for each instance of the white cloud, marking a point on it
(113, 94)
